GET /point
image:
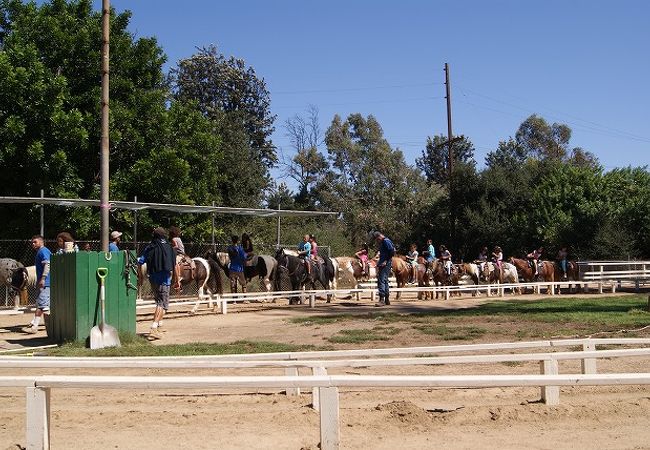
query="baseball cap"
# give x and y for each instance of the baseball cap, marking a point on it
(115, 234)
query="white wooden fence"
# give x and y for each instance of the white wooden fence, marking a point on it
(324, 387)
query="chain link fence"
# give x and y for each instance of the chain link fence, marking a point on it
(22, 251)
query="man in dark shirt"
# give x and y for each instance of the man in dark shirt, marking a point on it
(386, 253)
(237, 261)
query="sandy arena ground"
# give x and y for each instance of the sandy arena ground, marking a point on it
(500, 418)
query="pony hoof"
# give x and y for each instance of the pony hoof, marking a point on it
(192, 312)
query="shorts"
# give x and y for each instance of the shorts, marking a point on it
(161, 295)
(235, 277)
(43, 300)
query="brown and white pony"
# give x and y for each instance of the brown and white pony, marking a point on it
(546, 270)
(441, 278)
(402, 271)
(17, 277)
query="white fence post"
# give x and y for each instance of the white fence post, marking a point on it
(224, 306)
(292, 372)
(312, 300)
(550, 394)
(38, 418)
(315, 397)
(589, 364)
(600, 282)
(329, 418)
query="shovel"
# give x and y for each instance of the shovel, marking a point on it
(103, 335)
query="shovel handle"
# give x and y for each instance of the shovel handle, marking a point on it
(102, 273)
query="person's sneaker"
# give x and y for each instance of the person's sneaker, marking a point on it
(31, 329)
(154, 335)
(381, 302)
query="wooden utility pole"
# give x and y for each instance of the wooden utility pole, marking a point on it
(104, 174)
(450, 164)
(449, 133)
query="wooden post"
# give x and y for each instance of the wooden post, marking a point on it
(224, 306)
(38, 418)
(589, 364)
(315, 397)
(312, 300)
(329, 418)
(292, 372)
(600, 282)
(550, 394)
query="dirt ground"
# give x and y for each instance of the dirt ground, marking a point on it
(499, 418)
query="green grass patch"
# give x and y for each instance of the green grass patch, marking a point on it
(139, 346)
(357, 336)
(452, 333)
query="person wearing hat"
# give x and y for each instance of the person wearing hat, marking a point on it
(115, 240)
(384, 265)
(160, 259)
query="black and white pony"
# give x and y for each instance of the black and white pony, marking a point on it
(17, 277)
(262, 266)
(294, 268)
(207, 277)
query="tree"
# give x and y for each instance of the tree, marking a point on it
(308, 164)
(434, 161)
(510, 155)
(50, 118)
(370, 183)
(230, 93)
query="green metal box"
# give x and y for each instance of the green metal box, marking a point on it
(74, 294)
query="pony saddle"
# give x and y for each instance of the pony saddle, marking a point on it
(187, 266)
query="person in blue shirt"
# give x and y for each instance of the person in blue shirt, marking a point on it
(237, 257)
(160, 259)
(115, 241)
(42, 263)
(304, 251)
(384, 265)
(430, 253)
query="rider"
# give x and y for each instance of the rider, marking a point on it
(445, 257)
(561, 258)
(497, 256)
(247, 245)
(412, 259)
(179, 251)
(533, 259)
(314, 247)
(430, 253)
(482, 258)
(237, 257)
(362, 254)
(304, 251)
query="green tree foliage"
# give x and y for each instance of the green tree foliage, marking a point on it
(434, 161)
(369, 182)
(50, 117)
(229, 93)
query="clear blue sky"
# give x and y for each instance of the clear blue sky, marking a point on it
(583, 63)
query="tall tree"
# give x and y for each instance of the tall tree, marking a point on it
(308, 164)
(231, 94)
(370, 183)
(434, 161)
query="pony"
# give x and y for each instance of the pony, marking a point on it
(510, 276)
(294, 267)
(424, 279)
(207, 277)
(402, 271)
(441, 278)
(261, 266)
(353, 267)
(471, 271)
(17, 277)
(546, 271)
(573, 274)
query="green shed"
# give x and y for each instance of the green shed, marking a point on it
(74, 294)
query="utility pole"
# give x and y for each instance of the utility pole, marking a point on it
(450, 164)
(104, 206)
(449, 133)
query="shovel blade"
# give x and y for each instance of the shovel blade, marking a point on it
(104, 335)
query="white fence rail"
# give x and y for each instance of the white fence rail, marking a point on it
(38, 389)
(324, 387)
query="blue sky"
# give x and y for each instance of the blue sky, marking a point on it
(583, 63)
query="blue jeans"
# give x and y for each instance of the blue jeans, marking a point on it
(382, 280)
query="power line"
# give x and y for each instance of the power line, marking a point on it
(371, 102)
(353, 89)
